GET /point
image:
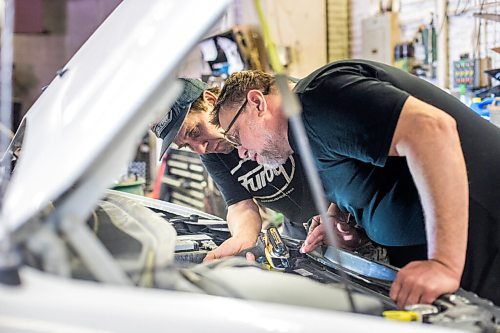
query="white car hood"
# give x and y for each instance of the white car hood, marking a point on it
(85, 127)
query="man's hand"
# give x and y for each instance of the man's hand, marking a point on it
(243, 220)
(229, 248)
(347, 235)
(423, 282)
(315, 236)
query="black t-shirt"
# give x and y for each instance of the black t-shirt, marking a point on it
(283, 189)
(350, 111)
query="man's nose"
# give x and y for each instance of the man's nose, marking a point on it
(242, 152)
(200, 147)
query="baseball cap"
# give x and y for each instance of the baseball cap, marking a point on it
(167, 128)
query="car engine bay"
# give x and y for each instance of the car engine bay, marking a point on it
(143, 250)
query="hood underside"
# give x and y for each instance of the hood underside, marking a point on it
(85, 126)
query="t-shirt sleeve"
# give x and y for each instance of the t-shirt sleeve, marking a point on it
(352, 115)
(232, 191)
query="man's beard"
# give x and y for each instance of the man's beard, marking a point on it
(276, 151)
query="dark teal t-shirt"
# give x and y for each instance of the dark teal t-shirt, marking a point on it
(350, 115)
(350, 112)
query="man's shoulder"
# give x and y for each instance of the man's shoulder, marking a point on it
(337, 69)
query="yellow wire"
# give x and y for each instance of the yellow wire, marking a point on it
(268, 41)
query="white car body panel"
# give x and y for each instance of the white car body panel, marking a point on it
(113, 87)
(51, 304)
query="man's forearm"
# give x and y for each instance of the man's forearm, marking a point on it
(442, 184)
(436, 162)
(244, 220)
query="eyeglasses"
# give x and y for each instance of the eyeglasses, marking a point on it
(233, 139)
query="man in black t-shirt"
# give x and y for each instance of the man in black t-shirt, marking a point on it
(417, 168)
(241, 181)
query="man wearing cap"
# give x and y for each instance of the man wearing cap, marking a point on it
(281, 188)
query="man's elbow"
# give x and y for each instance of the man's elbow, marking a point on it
(437, 129)
(439, 126)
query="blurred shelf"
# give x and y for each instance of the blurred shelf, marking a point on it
(492, 17)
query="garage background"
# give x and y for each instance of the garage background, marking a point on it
(444, 33)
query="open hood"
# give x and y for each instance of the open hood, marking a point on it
(85, 126)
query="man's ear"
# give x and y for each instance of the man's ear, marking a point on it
(256, 98)
(209, 97)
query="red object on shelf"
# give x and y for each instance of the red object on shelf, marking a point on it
(155, 194)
